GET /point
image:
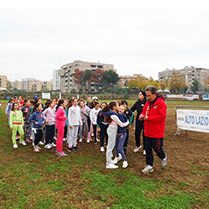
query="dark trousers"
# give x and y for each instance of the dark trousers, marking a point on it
(103, 134)
(120, 138)
(126, 140)
(139, 127)
(157, 145)
(65, 132)
(38, 136)
(49, 134)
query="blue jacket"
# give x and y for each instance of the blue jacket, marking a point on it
(122, 118)
(37, 117)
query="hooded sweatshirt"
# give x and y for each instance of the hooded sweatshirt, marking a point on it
(37, 117)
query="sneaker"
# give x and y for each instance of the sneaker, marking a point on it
(102, 149)
(48, 146)
(76, 148)
(15, 146)
(137, 149)
(117, 159)
(88, 140)
(36, 149)
(125, 164)
(23, 143)
(64, 139)
(164, 162)
(70, 149)
(147, 169)
(41, 143)
(60, 154)
(98, 140)
(80, 140)
(53, 145)
(144, 152)
(111, 166)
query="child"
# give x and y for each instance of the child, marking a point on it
(60, 124)
(113, 121)
(102, 127)
(26, 115)
(85, 110)
(121, 136)
(49, 114)
(74, 120)
(16, 124)
(93, 118)
(37, 119)
(8, 109)
(130, 117)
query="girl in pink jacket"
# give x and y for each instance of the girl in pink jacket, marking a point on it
(60, 124)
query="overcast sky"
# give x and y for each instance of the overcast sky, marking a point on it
(143, 39)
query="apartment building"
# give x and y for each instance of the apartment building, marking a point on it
(31, 84)
(125, 78)
(3, 81)
(67, 72)
(190, 73)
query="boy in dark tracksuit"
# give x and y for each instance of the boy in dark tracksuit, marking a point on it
(139, 125)
(130, 117)
(103, 130)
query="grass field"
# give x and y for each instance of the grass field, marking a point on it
(43, 180)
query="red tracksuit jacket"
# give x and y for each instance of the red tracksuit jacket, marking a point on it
(154, 126)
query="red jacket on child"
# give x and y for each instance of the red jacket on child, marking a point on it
(154, 126)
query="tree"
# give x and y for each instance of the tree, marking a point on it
(141, 82)
(87, 77)
(97, 76)
(78, 78)
(195, 86)
(177, 83)
(110, 77)
(164, 84)
(206, 81)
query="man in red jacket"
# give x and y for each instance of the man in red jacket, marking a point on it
(154, 115)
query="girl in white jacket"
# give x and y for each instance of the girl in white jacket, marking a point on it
(74, 120)
(93, 118)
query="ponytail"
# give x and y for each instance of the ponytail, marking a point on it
(61, 101)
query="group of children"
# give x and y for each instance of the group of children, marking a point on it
(74, 120)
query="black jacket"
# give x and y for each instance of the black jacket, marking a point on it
(138, 106)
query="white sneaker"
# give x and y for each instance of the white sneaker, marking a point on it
(98, 140)
(88, 140)
(125, 164)
(164, 162)
(102, 149)
(117, 159)
(15, 146)
(137, 149)
(144, 152)
(64, 139)
(36, 149)
(53, 145)
(111, 166)
(23, 143)
(48, 146)
(41, 143)
(80, 140)
(147, 169)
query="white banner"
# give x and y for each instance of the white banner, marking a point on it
(193, 120)
(46, 95)
(175, 96)
(205, 97)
